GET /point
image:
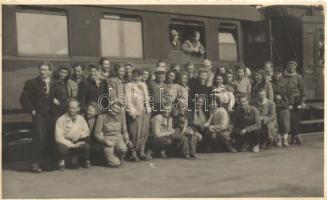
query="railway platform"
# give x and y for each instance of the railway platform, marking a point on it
(296, 171)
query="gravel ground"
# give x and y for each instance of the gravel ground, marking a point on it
(296, 171)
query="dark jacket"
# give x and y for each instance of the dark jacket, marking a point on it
(283, 103)
(294, 85)
(249, 120)
(89, 91)
(34, 97)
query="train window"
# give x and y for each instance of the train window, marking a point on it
(42, 33)
(186, 31)
(227, 42)
(121, 36)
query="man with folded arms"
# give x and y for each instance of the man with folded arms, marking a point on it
(72, 136)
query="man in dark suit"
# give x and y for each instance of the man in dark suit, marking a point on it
(38, 100)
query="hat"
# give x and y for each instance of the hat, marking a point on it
(207, 62)
(173, 32)
(160, 70)
(292, 62)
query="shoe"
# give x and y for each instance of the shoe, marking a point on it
(231, 149)
(134, 158)
(298, 139)
(163, 154)
(279, 141)
(285, 141)
(243, 148)
(263, 146)
(187, 156)
(193, 155)
(142, 157)
(74, 163)
(293, 140)
(255, 149)
(36, 168)
(148, 155)
(61, 165)
(86, 164)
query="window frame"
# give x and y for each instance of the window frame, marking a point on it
(239, 40)
(46, 11)
(138, 18)
(189, 21)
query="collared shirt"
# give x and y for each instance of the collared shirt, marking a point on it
(47, 81)
(69, 130)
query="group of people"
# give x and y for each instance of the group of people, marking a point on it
(192, 47)
(116, 112)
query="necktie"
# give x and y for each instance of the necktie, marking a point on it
(45, 87)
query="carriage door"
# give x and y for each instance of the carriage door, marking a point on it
(257, 47)
(313, 59)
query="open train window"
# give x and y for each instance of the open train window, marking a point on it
(42, 33)
(186, 31)
(121, 36)
(227, 42)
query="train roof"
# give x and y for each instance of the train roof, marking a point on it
(239, 12)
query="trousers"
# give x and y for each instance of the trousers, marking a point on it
(114, 154)
(82, 152)
(43, 137)
(251, 138)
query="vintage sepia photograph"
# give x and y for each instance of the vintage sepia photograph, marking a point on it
(162, 101)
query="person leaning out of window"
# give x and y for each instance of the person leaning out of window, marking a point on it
(175, 43)
(194, 46)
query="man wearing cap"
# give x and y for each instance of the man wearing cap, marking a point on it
(194, 46)
(111, 134)
(157, 89)
(294, 85)
(174, 40)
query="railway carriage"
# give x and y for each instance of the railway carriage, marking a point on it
(136, 34)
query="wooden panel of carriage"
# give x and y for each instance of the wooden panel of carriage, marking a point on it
(84, 39)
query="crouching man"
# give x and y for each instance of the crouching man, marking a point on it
(111, 133)
(72, 137)
(218, 127)
(267, 111)
(164, 137)
(247, 125)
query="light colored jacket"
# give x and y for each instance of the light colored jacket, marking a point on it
(137, 98)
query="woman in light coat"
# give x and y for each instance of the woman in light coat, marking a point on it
(138, 115)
